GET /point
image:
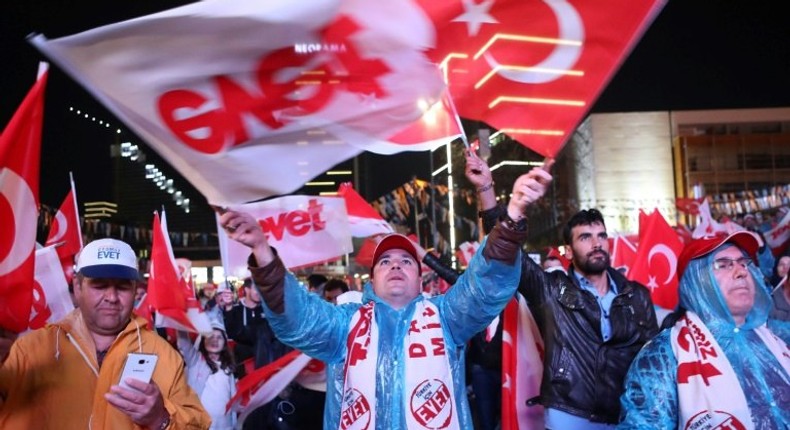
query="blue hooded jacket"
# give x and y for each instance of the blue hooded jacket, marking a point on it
(650, 400)
(320, 330)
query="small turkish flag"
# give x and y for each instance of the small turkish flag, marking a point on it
(623, 253)
(65, 232)
(656, 261)
(364, 221)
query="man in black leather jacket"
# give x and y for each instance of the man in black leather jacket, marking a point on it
(593, 320)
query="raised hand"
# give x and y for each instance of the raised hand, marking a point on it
(477, 170)
(243, 228)
(528, 188)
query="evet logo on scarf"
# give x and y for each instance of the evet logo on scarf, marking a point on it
(716, 420)
(431, 404)
(356, 411)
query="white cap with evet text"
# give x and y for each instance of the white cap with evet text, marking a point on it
(108, 258)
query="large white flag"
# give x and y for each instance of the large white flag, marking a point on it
(305, 230)
(250, 98)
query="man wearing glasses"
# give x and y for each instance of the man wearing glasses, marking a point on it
(720, 365)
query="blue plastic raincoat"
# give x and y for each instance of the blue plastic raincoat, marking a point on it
(320, 330)
(650, 400)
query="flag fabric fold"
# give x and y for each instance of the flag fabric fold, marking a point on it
(20, 158)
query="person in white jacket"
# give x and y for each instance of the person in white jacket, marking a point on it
(210, 368)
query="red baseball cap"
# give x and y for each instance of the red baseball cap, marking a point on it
(394, 241)
(745, 240)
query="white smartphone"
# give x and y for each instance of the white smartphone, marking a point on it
(138, 366)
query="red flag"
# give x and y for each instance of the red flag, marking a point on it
(522, 367)
(264, 384)
(655, 265)
(168, 291)
(533, 69)
(65, 229)
(145, 310)
(623, 253)
(20, 157)
(363, 219)
(689, 205)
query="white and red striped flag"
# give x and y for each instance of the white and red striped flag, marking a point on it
(263, 384)
(20, 158)
(65, 231)
(362, 218)
(169, 294)
(522, 368)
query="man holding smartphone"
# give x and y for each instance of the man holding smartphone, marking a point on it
(68, 374)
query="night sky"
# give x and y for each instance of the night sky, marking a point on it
(696, 55)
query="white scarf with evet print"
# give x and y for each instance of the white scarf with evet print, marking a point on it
(428, 387)
(709, 394)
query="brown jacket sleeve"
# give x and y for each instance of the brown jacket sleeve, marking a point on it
(503, 243)
(270, 281)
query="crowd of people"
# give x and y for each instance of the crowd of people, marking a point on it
(394, 357)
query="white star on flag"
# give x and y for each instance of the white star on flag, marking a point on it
(651, 283)
(476, 15)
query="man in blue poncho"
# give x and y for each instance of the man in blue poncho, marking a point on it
(396, 360)
(720, 366)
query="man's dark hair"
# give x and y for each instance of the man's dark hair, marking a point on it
(335, 284)
(315, 280)
(583, 217)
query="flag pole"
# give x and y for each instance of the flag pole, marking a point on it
(76, 206)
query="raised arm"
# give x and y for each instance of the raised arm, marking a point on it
(493, 275)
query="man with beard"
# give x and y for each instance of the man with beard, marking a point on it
(593, 320)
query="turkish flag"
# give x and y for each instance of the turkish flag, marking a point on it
(533, 69)
(20, 157)
(292, 89)
(364, 221)
(169, 293)
(65, 230)
(689, 205)
(623, 253)
(656, 261)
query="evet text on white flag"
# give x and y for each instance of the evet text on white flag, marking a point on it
(305, 230)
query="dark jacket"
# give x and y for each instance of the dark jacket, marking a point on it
(582, 374)
(253, 335)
